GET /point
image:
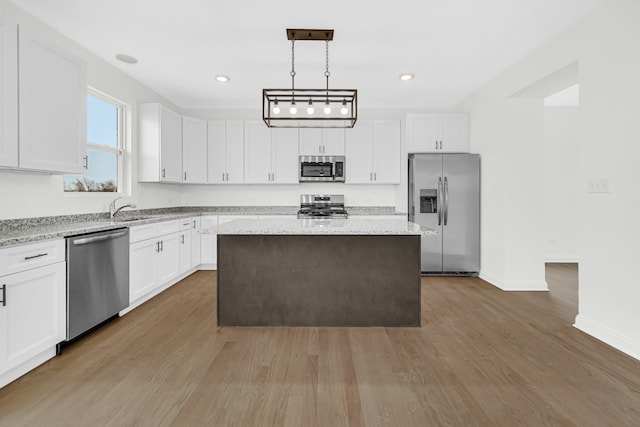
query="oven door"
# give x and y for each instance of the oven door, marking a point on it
(316, 171)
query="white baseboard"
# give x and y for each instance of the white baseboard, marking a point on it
(15, 373)
(526, 285)
(608, 336)
(515, 285)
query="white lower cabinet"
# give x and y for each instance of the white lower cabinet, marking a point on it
(195, 242)
(208, 243)
(184, 242)
(32, 306)
(154, 257)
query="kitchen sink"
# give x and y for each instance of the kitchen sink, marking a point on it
(130, 219)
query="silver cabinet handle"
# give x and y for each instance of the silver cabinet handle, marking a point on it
(375, 176)
(4, 295)
(185, 176)
(446, 200)
(158, 246)
(194, 223)
(182, 239)
(436, 144)
(86, 161)
(35, 256)
(163, 172)
(88, 240)
(223, 176)
(161, 245)
(439, 201)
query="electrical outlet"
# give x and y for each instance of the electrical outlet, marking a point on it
(598, 185)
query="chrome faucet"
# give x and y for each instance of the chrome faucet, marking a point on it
(112, 207)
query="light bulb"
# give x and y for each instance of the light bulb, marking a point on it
(344, 110)
(276, 108)
(293, 109)
(310, 109)
(327, 108)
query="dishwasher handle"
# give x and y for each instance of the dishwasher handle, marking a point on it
(88, 240)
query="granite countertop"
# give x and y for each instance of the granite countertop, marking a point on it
(27, 230)
(309, 226)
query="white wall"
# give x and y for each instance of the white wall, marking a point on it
(606, 45)
(562, 183)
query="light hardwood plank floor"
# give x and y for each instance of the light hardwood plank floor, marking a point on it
(482, 357)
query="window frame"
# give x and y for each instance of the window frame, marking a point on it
(121, 122)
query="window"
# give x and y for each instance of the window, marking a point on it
(105, 120)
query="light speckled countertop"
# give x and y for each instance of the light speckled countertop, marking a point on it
(26, 230)
(324, 226)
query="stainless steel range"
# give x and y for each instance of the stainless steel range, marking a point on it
(322, 206)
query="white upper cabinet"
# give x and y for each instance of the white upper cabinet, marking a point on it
(438, 133)
(225, 141)
(51, 115)
(194, 150)
(322, 142)
(271, 155)
(159, 144)
(373, 152)
(8, 94)
(284, 156)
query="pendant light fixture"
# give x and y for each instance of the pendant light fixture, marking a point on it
(336, 108)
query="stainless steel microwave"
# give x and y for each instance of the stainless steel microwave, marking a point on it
(321, 169)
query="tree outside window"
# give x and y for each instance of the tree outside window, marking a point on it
(104, 147)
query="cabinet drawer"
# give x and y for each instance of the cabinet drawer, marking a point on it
(186, 224)
(150, 231)
(15, 259)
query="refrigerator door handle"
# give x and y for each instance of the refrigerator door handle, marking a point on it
(439, 198)
(446, 200)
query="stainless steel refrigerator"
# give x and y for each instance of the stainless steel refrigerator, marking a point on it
(444, 194)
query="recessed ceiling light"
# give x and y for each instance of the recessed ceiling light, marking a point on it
(126, 58)
(407, 76)
(222, 78)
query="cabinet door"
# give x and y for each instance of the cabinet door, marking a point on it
(168, 258)
(422, 133)
(194, 150)
(216, 151)
(257, 145)
(359, 154)
(454, 132)
(208, 242)
(333, 142)
(34, 317)
(8, 94)
(310, 142)
(284, 156)
(143, 260)
(235, 152)
(184, 243)
(386, 151)
(195, 242)
(170, 145)
(52, 108)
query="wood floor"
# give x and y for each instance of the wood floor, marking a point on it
(482, 357)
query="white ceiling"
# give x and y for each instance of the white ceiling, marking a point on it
(452, 46)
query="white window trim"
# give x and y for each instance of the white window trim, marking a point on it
(122, 114)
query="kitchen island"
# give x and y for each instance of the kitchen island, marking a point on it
(318, 272)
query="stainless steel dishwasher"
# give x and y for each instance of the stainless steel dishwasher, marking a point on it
(97, 279)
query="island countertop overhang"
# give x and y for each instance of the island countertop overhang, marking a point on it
(328, 226)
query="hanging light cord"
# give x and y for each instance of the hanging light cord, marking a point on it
(293, 70)
(327, 73)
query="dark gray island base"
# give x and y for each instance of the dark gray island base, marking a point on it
(319, 280)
